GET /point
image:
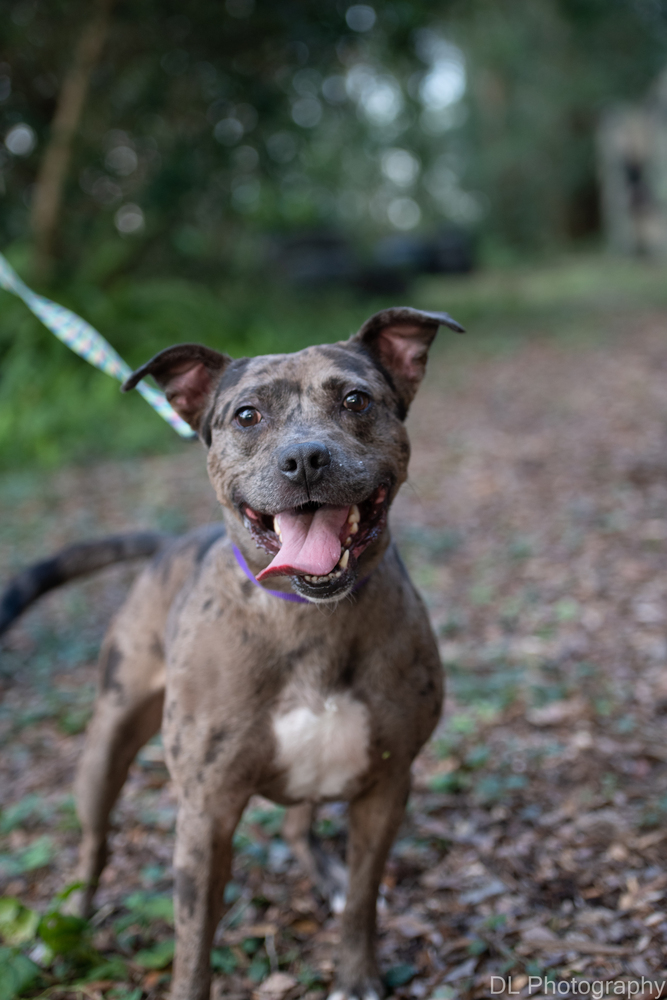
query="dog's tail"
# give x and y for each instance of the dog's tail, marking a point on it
(69, 563)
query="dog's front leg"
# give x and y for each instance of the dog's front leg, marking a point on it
(202, 866)
(374, 820)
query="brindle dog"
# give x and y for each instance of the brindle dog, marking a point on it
(322, 685)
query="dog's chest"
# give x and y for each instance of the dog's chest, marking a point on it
(322, 744)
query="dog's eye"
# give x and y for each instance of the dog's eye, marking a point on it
(358, 402)
(247, 416)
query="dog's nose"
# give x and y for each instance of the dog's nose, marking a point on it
(304, 464)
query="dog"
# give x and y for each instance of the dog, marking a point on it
(284, 652)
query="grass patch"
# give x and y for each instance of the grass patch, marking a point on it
(55, 408)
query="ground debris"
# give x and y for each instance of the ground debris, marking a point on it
(536, 838)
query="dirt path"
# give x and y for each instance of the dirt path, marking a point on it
(535, 524)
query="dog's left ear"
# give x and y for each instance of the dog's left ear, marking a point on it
(399, 340)
(188, 373)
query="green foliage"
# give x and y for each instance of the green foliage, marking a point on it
(67, 935)
(477, 757)
(36, 855)
(654, 814)
(497, 687)
(224, 960)
(144, 908)
(233, 892)
(31, 811)
(18, 924)
(496, 921)
(309, 977)
(238, 125)
(209, 105)
(251, 945)
(259, 968)
(329, 826)
(24, 813)
(69, 708)
(62, 940)
(270, 820)
(399, 975)
(17, 973)
(112, 968)
(54, 407)
(434, 545)
(63, 944)
(497, 787)
(157, 957)
(450, 783)
(544, 74)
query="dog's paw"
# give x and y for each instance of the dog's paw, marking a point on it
(367, 989)
(337, 902)
(345, 995)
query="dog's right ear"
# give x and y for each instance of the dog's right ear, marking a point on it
(398, 339)
(187, 373)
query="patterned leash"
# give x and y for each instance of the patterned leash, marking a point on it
(85, 341)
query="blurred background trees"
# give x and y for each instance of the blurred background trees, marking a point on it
(207, 123)
(159, 158)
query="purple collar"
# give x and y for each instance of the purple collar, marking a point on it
(294, 598)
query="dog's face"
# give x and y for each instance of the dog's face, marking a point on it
(306, 450)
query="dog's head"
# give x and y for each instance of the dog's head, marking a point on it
(306, 451)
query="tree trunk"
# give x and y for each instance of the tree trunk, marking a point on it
(48, 193)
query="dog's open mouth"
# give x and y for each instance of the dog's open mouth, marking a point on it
(318, 544)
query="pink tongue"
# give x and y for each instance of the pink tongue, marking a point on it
(310, 543)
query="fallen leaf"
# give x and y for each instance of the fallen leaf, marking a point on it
(584, 946)
(239, 934)
(151, 979)
(276, 986)
(537, 939)
(557, 712)
(305, 926)
(409, 926)
(493, 888)
(466, 968)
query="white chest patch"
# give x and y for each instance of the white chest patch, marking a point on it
(323, 749)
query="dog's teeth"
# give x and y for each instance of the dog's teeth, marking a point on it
(348, 540)
(354, 528)
(354, 516)
(334, 575)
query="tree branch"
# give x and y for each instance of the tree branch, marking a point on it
(48, 193)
